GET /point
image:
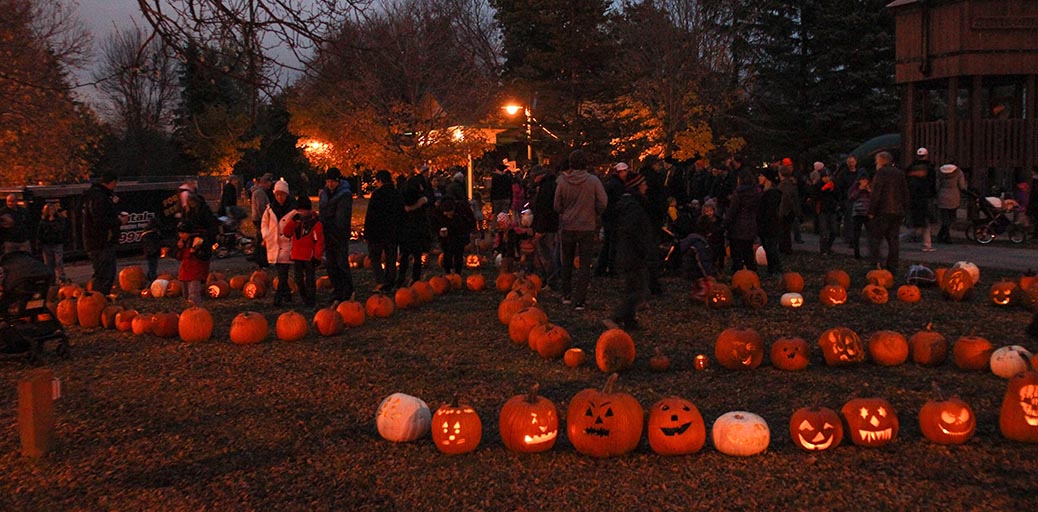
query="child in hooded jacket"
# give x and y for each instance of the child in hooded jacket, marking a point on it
(307, 234)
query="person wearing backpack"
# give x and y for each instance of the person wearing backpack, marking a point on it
(307, 235)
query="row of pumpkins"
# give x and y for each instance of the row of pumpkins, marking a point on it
(90, 309)
(609, 423)
(956, 283)
(739, 348)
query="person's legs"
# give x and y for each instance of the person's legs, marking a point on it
(582, 280)
(892, 226)
(375, 253)
(636, 283)
(568, 246)
(283, 292)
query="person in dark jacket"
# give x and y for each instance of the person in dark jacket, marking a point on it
(101, 223)
(546, 224)
(922, 189)
(827, 206)
(501, 189)
(789, 208)
(635, 241)
(769, 220)
(741, 221)
(887, 205)
(381, 224)
(454, 222)
(229, 195)
(17, 227)
(858, 196)
(614, 187)
(414, 230)
(51, 234)
(456, 189)
(335, 213)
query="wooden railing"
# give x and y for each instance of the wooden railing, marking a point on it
(988, 143)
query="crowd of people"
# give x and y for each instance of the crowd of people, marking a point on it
(569, 223)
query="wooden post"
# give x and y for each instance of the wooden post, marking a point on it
(908, 123)
(36, 413)
(978, 163)
(951, 149)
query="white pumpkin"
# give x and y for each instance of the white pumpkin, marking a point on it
(761, 256)
(971, 268)
(792, 300)
(741, 434)
(1010, 360)
(158, 288)
(403, 418)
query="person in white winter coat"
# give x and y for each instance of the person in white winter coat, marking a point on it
(950, 183)
(278, 246)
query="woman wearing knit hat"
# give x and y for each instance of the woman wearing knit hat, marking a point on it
(279, 246)
(634, 243)
(950, 184)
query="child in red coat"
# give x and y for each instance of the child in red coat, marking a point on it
(193, 254)
(307, 236)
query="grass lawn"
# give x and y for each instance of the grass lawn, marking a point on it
(157, 424)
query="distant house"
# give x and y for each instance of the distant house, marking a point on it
(967, 72)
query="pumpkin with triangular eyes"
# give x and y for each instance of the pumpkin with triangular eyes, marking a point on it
(456, 428)
(947, 421)
(675, 427)
(871, 422)
(815, 428)
(604, 423)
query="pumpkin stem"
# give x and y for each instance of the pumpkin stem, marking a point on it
(929, 325)
(454, 400)
(532, 396)
(610, 382)
(1027, 362)
(937, 391)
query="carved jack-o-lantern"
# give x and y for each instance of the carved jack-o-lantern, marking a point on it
(529, 423)
(874, 294)
(737, 348)
(456, 428)
(790, 354)
(675, 427)
(841, 347)
(871, 422)
(720, 296)
(403, 418)
(832, 295)
(957, 284)
(1002, 292)
(741, 434)
(755, 298)
(815, 428)
(604, 423)
(1018, 418)
(946, 421)
(473, 261)
(792, 300)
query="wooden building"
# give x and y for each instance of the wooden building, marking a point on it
(967, 72)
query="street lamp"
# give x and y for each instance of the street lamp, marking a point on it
(513, 110)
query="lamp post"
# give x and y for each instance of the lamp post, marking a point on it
(513, 110)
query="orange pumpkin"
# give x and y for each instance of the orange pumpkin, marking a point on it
(214, 277)
(832, 295)
(439, 284)
(328, 321)
(972, 352)
(792, 282)
(456, 281)
(108, 315)
(132, 279)
(738, 348)
(165, 325)
(141, 324)
(261, 277)
(838, 278)
(67, 313)
(124, 320)
(379, 306)
(790, 354)
(475, 282)
(195, 324)
(509, 307)
(254, 290)
(958, 284)
(291, 326)
(405, 298)
(238, 282)
(88, 309)
(841, 347)
(874, 294)
(352, 313)
(744, 280)
(504, 281)
(659, 362)
(614, 351)
(720, 297)
(522, 322)
(675, 427)
(423, 292)
(1002, 292)
(174, 289)
(70, 291)
(219, 289)
(549, 340)
(574, 357)
(248, 327)
(928, 347)
(888, 348)
(909, 293)
(880, 277)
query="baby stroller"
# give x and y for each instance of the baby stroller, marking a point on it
(26, 325)
(231, 240)
(994, 220)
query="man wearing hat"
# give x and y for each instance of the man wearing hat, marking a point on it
(614, 188)
(950, 183)
(336, 209)
(634, 244)
(922, 184)
(261, 197)
(101, 223)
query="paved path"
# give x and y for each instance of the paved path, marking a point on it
(1003, 255)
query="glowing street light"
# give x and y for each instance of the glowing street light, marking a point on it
(513, 110)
